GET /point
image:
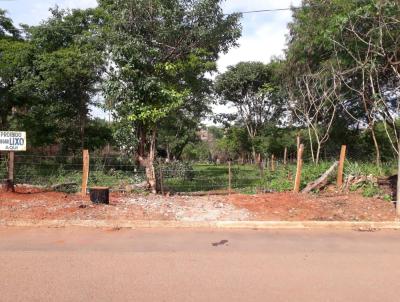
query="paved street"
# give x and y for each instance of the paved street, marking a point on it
(197, 265)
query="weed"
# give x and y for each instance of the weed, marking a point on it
(371, 190)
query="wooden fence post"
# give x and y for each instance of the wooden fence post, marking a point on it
(339, 182)
(85, 171)
(298, 141)
(296, 188)
(10, 180)
(229, 178)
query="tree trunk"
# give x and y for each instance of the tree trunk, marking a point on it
(321, 181)
(377, 150)
(147, 157)
(253, 151)
(311, 144)
(168, 154)
(241, 158)
(318, 153)
(371, 126)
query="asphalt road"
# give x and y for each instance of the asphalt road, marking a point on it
(197, 265)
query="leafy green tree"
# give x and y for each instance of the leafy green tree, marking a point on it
(236, 143)
(251, 88)
(196, 151)
(181, 126)
(7, 27)
(175, 133)
(66, 71)
(14, 57)
(98, 134)
(159, 52)
(357, 41)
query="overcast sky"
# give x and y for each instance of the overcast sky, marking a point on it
(263, 33)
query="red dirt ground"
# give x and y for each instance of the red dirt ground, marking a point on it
(325, 207)
(29, 203)
(35, 204)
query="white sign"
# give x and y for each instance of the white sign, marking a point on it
(12, 141)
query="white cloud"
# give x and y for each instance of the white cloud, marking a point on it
(266, 42)
(33, 12)
(264, 34)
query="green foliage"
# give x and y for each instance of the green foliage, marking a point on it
(14, 57)
(343, 42)
(98, 134)
(196, 152)
(178, 133)
(50, 79)
(252, 88)
(369, 168)
(234, 144)
(125, 136)
(67, 68)
(160, 59)
(371, 190)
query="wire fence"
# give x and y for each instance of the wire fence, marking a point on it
(121, 173)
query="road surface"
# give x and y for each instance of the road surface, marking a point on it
(76, 264)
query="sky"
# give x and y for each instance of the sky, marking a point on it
(263, 37)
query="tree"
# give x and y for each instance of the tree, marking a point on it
(368, 62)
(66, 71)
(250, 87)
(235, 144)
(14, 57)
(7, 27)
(181, 127)
(314, 103)
(358, 40)
(159, 52)
(176, 132)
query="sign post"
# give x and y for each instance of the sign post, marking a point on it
(12, 141)
(10, 179)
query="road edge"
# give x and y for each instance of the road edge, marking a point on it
(136, 224)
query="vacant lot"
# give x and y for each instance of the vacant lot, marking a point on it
(34, 204)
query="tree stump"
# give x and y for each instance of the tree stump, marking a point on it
(100, 195)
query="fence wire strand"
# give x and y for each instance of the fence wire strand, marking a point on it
(123, 174)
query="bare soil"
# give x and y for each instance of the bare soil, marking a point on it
(30, 203)
(323, 207)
